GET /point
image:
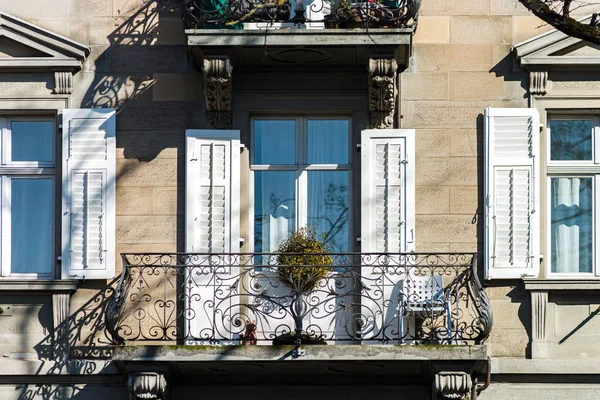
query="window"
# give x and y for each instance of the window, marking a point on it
(27, 187)
(302, 172)
(573, 170)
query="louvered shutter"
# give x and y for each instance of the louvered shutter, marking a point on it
(512, 225)
(387, 191)
(212, 218)
(88, 200)
(387, 218)
(212, 191)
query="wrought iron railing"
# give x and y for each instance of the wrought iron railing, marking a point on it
(336, 298)
(332, 13)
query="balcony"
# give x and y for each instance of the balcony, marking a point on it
(266, 299)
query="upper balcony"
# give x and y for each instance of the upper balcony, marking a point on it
(305, 32)
(299, 299)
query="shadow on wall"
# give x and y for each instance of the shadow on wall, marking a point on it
(79, 346)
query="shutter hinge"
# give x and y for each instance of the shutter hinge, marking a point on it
(242, 241)
(358, 240)
(358, 147)
(60, 127)
(242, 147)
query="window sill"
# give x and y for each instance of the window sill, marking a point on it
(21, 285)
(553, 284)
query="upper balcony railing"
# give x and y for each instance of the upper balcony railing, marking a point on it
(336, 14)
(299, 299)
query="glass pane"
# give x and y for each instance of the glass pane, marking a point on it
(327, 141)
(571, 140)
(328, 208)
(274, 208)
(572, 234)
(274, 142)
(31, 225)
(31, 141)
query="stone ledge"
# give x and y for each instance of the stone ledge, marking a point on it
(21, 285)
(295, 37)
(562, 284)
(550, 366)
(311, 353)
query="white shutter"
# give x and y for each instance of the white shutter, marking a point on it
(88, 200)
(512, 225)
(388, 190)
(212, 197)
(212, 191)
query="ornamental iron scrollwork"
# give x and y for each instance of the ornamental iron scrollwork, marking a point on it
(366, 298)
(215, 14)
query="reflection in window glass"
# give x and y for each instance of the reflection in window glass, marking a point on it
(572, 233)
(31, 225)
(327, 141)
(571, 140)
(274, 142)
(274, 208)
(328, 207)
(31, 141)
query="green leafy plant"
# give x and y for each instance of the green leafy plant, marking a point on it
(303, 261)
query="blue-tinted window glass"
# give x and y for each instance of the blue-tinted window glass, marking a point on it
(572, 225)
(31, 225)
(274, 208)
(31, 141)
(274, 142)
(327, 141)
(571, 140)
(328, 207)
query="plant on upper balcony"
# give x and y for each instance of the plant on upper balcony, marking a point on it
(303, 260)
(373, 14)
(211, 14)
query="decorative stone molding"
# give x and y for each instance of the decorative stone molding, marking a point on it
(538, 82)
(61, 309)
(382, 93)
(217, 92)
(452, 385)
(63, 82)
(147, 386)
(539, 338)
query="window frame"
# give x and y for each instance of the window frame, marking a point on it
(24, 170)
(6, 143)
(301, 167)
(573, 169)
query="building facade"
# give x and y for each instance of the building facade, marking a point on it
(155, 154)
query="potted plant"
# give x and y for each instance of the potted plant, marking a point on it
(348, 14)
(302, 262)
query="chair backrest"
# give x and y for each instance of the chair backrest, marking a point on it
(423, 291)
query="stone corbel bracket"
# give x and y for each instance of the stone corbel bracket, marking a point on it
(538, 82)
(452, 385)
(63, 82)
(217, 92)
(382, 93)
(147, 386)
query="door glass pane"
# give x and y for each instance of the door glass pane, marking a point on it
(328, 207)
(274, 208)
(31, 141)
(31, 225)
(274, 142)
(572, 233)
(327, 141)
(571, 140)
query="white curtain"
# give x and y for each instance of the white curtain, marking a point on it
(571, 225)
